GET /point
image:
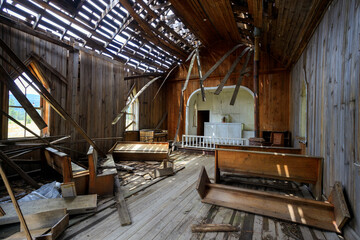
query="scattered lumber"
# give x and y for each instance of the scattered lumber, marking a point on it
(119, 167)
(160, 172)
(210, 227)
(68, 190)
(78, 205)
(309, 212)
(45, 225)
(293, 167)
(122, 209)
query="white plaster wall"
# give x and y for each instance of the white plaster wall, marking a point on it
(219, 106)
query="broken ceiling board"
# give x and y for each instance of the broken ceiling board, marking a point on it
(77, 205)
(294, 209)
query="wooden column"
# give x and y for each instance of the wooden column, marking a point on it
(256, 82)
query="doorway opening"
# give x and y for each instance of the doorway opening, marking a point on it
(203, 117)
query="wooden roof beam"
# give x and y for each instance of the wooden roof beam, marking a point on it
(256, 11)
(148, 32)
(162, 24)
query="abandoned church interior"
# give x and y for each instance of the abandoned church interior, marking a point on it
(180, 119)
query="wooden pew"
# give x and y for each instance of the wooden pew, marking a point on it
(261, 148)
(70, 171)
(293, 167)
(140, 151)
(101, 183)
(330, 215)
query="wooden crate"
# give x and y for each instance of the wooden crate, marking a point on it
(152, 135)
(132, 136)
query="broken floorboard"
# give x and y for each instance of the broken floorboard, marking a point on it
(168, 209)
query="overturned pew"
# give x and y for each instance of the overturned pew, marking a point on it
(282, 166)
(329, 216)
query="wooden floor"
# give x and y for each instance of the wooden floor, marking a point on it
(168, 208)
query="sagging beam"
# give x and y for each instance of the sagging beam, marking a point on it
(143, 75)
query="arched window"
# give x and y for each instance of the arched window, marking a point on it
(19, 113)
(132, 113)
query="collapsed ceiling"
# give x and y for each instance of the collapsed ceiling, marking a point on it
(155, 35)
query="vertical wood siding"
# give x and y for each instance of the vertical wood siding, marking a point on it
(331, 63)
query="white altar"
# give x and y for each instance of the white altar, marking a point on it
(224, 130)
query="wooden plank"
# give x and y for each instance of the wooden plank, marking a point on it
(22, 99)
(302, 211)
(44, 219)
(202, 182)
(77, 205)
(341, 212)
(211, 227)
(122, 208)
(15, 204)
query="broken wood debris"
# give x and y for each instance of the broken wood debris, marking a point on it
(211, 227)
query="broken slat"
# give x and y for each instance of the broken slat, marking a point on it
(157, 92)
(182, 99)
(238, 83)
(200, 74)
(217, 64)
(22, 99)
(294, 209)
(161, 121)
(118, 117)
(43, 219)
(123, 211)
(211, 227)
(232, 68)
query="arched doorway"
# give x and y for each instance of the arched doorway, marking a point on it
(219, 110)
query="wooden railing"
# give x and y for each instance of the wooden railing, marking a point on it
(194, 141)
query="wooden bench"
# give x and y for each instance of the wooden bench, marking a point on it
(70, 171)
(86, 180)
(293, 167)
(262, 148)
(330, 215)
(101, 183)
(140, 151)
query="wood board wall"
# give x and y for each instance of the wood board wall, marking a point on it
(94, 93)
(273, 85)
(331, 63)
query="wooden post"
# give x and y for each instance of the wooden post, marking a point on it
(16, 205)
(256, 82)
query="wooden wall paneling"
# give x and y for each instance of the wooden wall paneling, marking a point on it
(332, 60)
